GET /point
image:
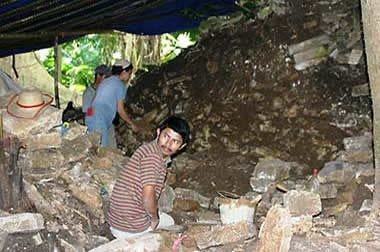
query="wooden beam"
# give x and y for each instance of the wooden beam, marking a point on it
(37, 35)
(57, 67)
(1, 126)
(11, 185)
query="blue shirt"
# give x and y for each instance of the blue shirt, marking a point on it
(87, 97)
(108, 93)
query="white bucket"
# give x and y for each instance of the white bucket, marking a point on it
(238, 210)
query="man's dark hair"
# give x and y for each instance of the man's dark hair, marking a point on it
(179, 125)
(116, 70)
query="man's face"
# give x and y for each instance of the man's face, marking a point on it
(169, 142)
(99, 79)
(125, 75)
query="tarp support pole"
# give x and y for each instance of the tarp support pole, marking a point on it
(1, 126)
(14, 65)
(57, 67)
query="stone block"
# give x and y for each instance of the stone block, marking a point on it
(356, 156)
(115, 155)
(3, 239)
(225, 234)
(74, 150)
(355, 56)
(45, 158)
(363, 142)
(337, 172)
(302, 203)
(88, 194)
(42, 205)
(102, 163)
(366, 206)
(260, 185)
(276, 231)
(238, 210)
(22, 223)
(308, 63)
(74, 131)
(310, 54)
(320, 223)
(301, 224)
(166, 199)
(360, 90)
(149, 242)
(308, 44)
(42, 141)
(188, 194)
(272, 169)
(299, 244)
(328, 191)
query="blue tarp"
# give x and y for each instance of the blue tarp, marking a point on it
(27, 25)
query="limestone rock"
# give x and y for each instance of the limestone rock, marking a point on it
(149, 242)
(363, 142)
(39, 202)
(21, 223)
(186, 205)
(337, 171)
(3, 239)
(268, 171)
(45, 158)
(328, 191)
(225, 234)
(276, 231)
(187, 194)
(75, 130)
(42, 141)
(302, 203)
(74, 150)
(166, 199)
(301, 224)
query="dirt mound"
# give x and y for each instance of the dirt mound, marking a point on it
(244, 99)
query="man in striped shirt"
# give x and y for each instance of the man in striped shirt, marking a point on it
(133, 206)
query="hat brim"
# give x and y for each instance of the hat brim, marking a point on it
(14, 109)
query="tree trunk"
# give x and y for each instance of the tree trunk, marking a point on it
(11, 185)
(371, 24)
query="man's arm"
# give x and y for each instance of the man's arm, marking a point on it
(123, 114)
(150, 204)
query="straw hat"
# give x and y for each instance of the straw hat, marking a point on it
(28, 104)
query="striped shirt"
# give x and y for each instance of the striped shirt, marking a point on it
(145, 167)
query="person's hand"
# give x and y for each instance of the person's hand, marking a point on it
(154, 223)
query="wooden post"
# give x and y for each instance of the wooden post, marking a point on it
(57, 66)
(11, 185)
(1, 126)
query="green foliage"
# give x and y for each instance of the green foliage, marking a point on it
(79, 60)
(172, 44)
(80, 57)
